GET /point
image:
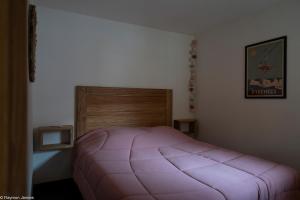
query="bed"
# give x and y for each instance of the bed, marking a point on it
(126, 150)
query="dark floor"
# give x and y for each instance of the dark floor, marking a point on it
(57, 190)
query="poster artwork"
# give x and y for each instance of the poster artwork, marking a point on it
(266, 69)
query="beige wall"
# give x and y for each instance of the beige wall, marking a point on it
(73, 49)
(265, 127)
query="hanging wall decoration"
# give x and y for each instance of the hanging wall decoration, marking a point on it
(266, 69)
(192, 81)
(32, 21)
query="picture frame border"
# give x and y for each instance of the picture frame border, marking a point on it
(284, 96)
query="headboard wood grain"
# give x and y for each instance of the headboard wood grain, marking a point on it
(103, 107)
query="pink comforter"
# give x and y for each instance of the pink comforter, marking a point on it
(163, 164)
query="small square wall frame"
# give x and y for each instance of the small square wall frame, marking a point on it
(64, 133)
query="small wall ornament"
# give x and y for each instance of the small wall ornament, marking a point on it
(32, 22)
(193, 75)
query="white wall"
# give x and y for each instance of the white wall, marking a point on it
(80, 50)
(265, 127)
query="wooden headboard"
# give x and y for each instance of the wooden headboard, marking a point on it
(103, 107)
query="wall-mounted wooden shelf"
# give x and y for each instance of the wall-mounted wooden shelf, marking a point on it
(53, 138)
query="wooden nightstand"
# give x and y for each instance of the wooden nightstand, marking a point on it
(187, 126)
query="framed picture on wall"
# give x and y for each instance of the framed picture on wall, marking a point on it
(265, 69)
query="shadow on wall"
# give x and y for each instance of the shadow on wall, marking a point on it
(51, 166)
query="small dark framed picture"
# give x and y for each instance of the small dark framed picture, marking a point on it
(265, 69)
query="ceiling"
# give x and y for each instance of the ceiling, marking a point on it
(183, 16)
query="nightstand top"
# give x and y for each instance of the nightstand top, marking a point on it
(185, 120)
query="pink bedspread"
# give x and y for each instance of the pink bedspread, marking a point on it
(163, 164)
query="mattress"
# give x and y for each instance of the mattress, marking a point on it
(161, 163)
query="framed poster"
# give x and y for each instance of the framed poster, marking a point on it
(265, 69)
